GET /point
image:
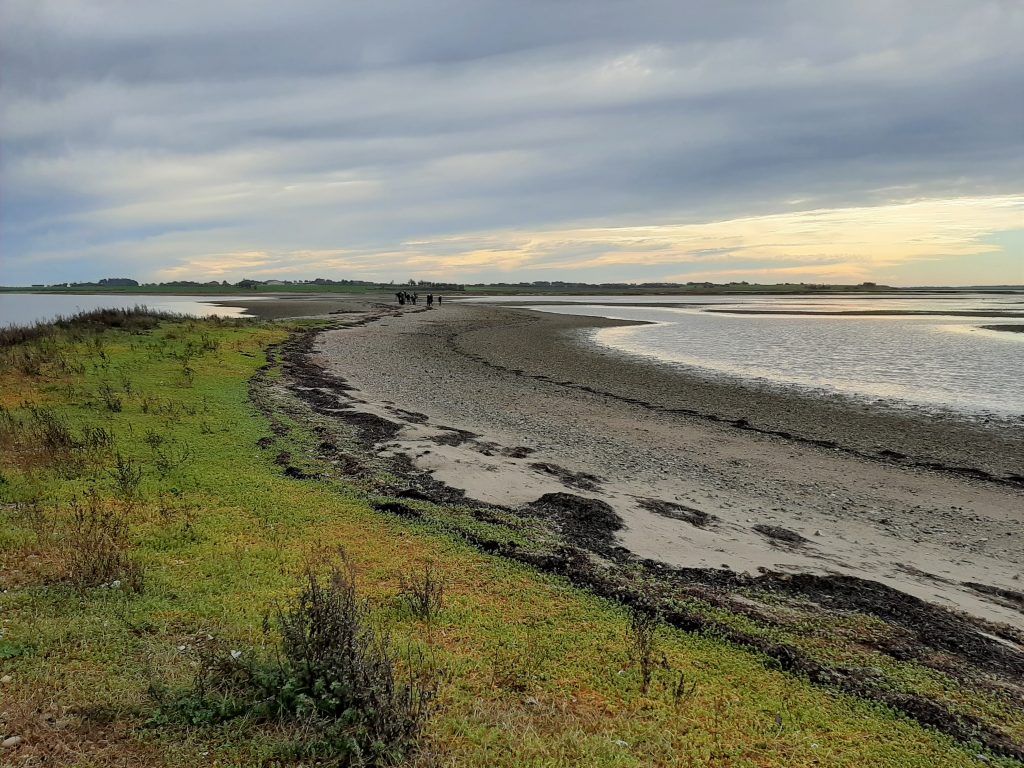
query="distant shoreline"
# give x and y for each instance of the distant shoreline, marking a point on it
(512, 292)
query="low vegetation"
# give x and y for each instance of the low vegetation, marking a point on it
(332, 681)
(173, 595)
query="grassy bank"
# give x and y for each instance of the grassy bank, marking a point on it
(151, 426)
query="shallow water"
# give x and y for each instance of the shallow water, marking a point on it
(944, 362)
(28, 308)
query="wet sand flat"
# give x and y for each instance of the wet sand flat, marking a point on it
(512, 404)
(290, 305)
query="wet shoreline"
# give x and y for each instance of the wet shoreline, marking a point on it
(419, 389)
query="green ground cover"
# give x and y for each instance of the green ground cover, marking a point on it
(154, 426)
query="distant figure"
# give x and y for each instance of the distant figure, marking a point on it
(430, 300)
(439, 300)
(401, 298)
(415, 298)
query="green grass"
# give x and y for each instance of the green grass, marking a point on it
(537, 672)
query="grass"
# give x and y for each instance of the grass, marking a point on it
(535, 672)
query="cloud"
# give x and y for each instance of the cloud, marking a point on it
(852, 244)
(848, 244)
(160, 139)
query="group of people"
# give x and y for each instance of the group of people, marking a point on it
(405, 297)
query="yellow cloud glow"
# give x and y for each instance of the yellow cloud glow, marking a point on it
(868, 237)
(835, 244)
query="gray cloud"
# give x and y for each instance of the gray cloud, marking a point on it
(146, 136)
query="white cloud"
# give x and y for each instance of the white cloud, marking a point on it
(473, 137)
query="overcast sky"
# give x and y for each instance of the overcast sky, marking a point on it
(597, 140)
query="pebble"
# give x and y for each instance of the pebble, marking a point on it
(11, 741)
(6, 679)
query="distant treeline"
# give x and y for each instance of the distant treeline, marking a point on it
(128, 285)
(328, 285)
(321, 284)
(691, 288)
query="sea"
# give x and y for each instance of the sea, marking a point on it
(29, 308)
(944, 361)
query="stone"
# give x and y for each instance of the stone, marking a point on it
(11, 742)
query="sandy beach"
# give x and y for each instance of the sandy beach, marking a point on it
(279, 306)
(508, 405)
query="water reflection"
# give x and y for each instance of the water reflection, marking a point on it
(941, 361)
(28, 308)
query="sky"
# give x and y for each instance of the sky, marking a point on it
(489, 140)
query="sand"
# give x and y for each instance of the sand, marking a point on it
(280, 306)
(546, 411)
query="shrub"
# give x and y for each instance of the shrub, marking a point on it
(39, 520)
(518, 663)
(110, 398)
(642, 638)
(97, 438)
(423, 592)
(98, 546)
(53, 432)
(127, 476)
(30, 362)
(168, 454)
(45, 437)
(9, 423)
(335, 680)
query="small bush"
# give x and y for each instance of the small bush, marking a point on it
(335, 681)
(9, 423)
(423, 592)
(44, 437)
(53, 432)
(98, 546)
(30, 362)
(519, 663)
(68, 365)
(126, 384)
(39, 519)
(97, 439)
(642, 639)
(127, 477)
(682, 690)
(168, 454)
(110, 398)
